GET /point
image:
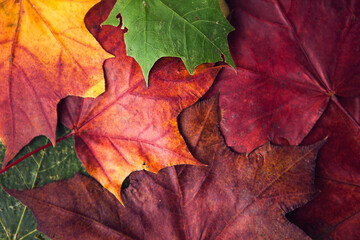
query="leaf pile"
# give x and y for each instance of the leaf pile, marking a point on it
(297, 82)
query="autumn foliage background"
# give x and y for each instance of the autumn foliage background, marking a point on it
(296, 83)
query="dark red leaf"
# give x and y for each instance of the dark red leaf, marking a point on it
(292, 57)
(298, 66)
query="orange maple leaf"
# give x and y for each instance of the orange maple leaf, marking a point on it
(46, 54)
(131, 127)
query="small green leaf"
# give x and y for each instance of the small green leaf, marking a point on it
(51, 164)
(195, 31)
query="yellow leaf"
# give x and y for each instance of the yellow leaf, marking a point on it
(46, 54)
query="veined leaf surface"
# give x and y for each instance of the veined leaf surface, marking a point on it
(195, 31)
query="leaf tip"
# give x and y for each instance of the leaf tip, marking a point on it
(146, 78)
(97, 89)
(112, 19)
(320, 143)
(229, 60)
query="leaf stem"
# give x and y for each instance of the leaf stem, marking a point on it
(35, 151)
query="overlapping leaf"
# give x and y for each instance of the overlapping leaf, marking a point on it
(131, 127)
(52, 164)
(195, 31)
(239, 196)
(295, 61)
(46, 54)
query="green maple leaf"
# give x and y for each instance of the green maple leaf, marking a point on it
(195, 31)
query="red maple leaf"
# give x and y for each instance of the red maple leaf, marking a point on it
(133, 127)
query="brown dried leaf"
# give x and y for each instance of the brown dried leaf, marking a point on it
(237, 196)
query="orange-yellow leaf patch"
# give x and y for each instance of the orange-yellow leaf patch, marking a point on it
(46, 54)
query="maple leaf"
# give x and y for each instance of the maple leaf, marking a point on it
(195, 31)
(296, 77)
(290, 64)
(46, 54)
(238, 196)
(131, 127)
